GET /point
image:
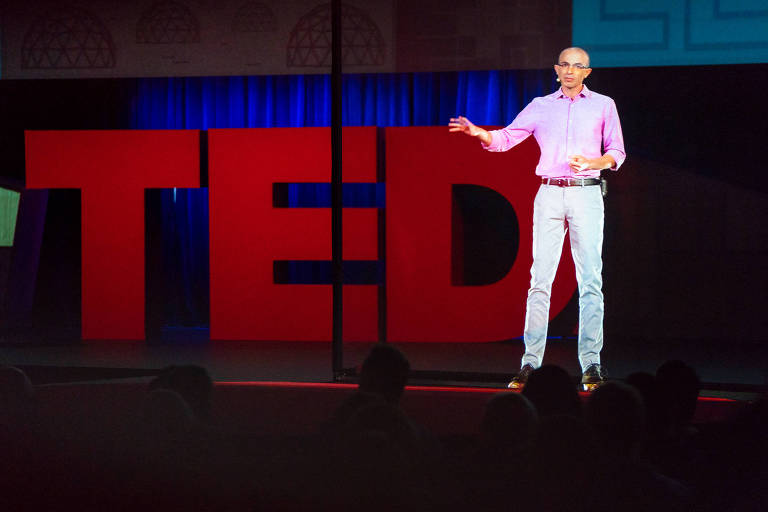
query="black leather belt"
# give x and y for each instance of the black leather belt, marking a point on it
(571, 182)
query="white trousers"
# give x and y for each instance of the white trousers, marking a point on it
(579, 212)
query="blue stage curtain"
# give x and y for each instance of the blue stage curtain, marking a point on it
(397, 99)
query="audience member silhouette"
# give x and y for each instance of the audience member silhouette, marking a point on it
(170, 459)
(656, 416)
(509, 424)
(536, 449)
(498, 474)
(742, 465)
(616, 415)
(378, 474)
(350, 405)
(552, 392)
(561, 469)
(385, 372)
(388, 419)
(679, 385)
(379, 454)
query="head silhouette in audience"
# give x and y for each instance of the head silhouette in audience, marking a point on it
(376, 451)
(552, 392)
(509, 424)
(679, 386)
(563, 444)
(616, 414)
(385, 372)
(377, 473)
(656, 417)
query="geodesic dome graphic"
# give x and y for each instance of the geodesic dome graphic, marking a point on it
(361, 41)
(168, 22)
(67, 39)
(254, 17)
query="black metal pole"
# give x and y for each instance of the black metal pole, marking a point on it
(336, 190)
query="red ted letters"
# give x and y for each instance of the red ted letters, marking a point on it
(112, 169)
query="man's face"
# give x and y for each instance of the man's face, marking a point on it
(572, 68)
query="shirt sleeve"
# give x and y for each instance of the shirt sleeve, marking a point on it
(613, 139)
(519, 130)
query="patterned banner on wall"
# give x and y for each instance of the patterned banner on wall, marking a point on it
(110, 38)
(662, 33)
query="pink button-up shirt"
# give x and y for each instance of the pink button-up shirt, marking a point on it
(587, 125)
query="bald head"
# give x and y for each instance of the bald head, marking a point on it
(574, 54)
(572, 68)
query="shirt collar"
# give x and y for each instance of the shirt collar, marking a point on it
(585, 93)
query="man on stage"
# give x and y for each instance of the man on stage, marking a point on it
(579, 134)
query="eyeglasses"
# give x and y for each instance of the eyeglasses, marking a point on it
(578, 65)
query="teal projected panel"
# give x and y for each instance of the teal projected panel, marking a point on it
(621, 33)
(9, 209)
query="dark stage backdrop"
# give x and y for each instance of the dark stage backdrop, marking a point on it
(685, 240)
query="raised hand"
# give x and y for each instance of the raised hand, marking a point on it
(463, 125)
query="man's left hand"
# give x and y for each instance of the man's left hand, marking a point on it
(580, 164)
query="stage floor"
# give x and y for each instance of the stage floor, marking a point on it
(721, 367)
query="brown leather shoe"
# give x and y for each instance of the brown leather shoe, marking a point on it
(593, 377)
(519, 380)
